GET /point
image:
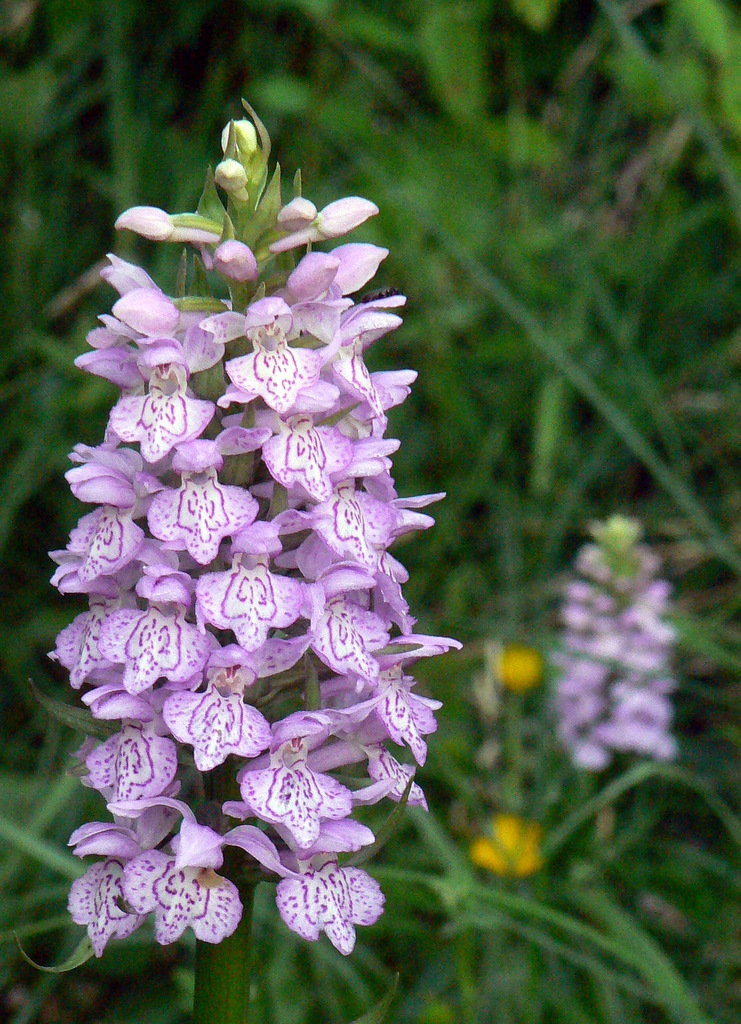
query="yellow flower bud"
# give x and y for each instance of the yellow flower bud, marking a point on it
(512, 849)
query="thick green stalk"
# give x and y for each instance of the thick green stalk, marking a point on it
(222, 991)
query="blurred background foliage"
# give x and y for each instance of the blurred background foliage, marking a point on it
(560, 190)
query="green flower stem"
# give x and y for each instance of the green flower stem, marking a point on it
(513, 780)
(222, 990)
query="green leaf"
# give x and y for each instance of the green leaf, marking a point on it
(386, 831)
(710, 24)
(82, 953)
(200, 283)
(379, 1011)
(45, 853)
(210, 205)
(647, 956)
(80, 719)
(453, 45)
(285, 94)
(537, 14)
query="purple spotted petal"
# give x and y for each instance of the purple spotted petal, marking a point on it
(107, 539)
(307, 455)
(297, 797)
(345, 637)
(195, 897)
(200, 514)
(383, 767)
(352, 375)
(278, 375)
(407, 716)
(96, 900)
(330, 899)
(249, 600)
(77, 645)
(159, 421)
(154, 643)
(354, 525)
(134, 763)
(216, 725)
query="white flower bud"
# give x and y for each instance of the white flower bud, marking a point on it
(231, 175)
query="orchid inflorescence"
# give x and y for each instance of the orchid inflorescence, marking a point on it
(246, 635)
(614, 671)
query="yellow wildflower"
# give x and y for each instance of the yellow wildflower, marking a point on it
(512, 849)
(519, 668)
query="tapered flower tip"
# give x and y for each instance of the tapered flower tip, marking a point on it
(102, 484)
(297, 214)
(339, 578)
(268, 311)
(231, 656)
(422, 646)
(310, 725)
(313, 276)
(236, 261)
(164, 586)
(257, 844)
(344, 836)
(124, 276)
(147, 221)
(359, 262)
(162, 352)
(259, 538)
(148, 311)
(197, 456)
(344, 215)
(104, 839)
(197, 846)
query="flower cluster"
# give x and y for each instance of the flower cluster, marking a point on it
(246, 635)
(614, 675)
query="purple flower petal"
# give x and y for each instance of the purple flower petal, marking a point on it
(96, 900)
(307, 455)
(216, 725)
(249, 600)
(297, 797)
(195, 897)
(330, 899)
(200, 514)
(162, 419)
(345, 637)
(134, 763)
(108, 539)
(154, 643)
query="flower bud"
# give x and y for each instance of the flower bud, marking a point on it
(246, 138)
(344, 215)
(235, 260)
(147, 221)
(160, 226)
(231, 176)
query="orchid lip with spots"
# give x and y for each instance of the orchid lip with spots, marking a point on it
(247, 634)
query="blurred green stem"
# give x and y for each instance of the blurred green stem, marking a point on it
(222, 991)
(465, 959)
(513, 753)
